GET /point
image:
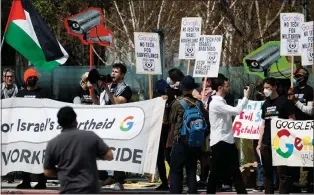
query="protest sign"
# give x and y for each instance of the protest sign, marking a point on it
(292, 142)
(132, 131)
(147, 50)
(290, 29)
(247, 124)
(307, 43)
(189, 37)
(208, 56)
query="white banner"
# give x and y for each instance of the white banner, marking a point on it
(247, 124)
(307, 43)
(292, 142)
(290, 33)
(189, 37)
(208, 56)
(147, 50)
(132, 130)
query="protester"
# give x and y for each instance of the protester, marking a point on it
(260, 182)
(160, 91)
(8, 88)
(302, 96)
(72, 156)
(275, 106)
(204, 157)
(32, 90)
(175, 76)
(183, 154)
(225, 162)
(82, 94)
(117, 92)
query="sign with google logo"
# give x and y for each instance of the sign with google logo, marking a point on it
(292, 142)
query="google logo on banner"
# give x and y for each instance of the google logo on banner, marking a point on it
(128, 123)
(305, 143)
(142, 38)
(288, 18)
(190, 23)
(307, 28)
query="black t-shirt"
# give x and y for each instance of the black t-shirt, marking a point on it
(84, 95)
(127, 92)
(281, 107)
(36, 93)
(73, 154)
(304, 95)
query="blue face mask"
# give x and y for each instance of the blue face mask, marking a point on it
(297, 81)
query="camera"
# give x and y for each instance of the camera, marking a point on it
(263, 60)
(94, 77)
(83, 23)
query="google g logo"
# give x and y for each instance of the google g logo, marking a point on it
(127, 123)
(280, 134)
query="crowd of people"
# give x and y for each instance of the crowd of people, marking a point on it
(196, 127)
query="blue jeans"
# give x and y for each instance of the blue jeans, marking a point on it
(260, 181)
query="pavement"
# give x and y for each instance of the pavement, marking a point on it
(140, 187)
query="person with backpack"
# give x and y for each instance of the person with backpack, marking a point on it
(190, 129)
(225, 160)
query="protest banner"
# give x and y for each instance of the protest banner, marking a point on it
(246, 125)
(132, 131)
(208, 56)
(189, 38)
(292, 142)
(307, 43)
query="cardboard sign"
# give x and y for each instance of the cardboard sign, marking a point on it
(189, 37)
(290, 33)
(147, 53)
(208, 56)
(292, 142)
(307, 43)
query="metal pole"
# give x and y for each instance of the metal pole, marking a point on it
(162, 52)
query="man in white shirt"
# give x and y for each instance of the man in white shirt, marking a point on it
(225, 161)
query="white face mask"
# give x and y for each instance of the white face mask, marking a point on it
(169, 81)
(267, 92)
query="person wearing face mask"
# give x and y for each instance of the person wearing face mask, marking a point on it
(32, 90)
(225, 160)
(275, 106)
(8, 88)
(302, 96)
(82, 95)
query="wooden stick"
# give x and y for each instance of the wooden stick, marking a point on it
(204, 86)
(188, 69)
(150, 86)
(292, 71)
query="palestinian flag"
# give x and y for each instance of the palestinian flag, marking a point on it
(27, 32)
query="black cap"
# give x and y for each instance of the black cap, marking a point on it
(188, 83)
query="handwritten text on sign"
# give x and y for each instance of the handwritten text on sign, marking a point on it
(208, 56)
(147, 51)
(292, 142)
(189, 37)
(290, 29)
(247, 124)
(307, 43)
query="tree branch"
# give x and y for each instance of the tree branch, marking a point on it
(160, 12)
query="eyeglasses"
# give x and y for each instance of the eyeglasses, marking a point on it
(11, 76)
